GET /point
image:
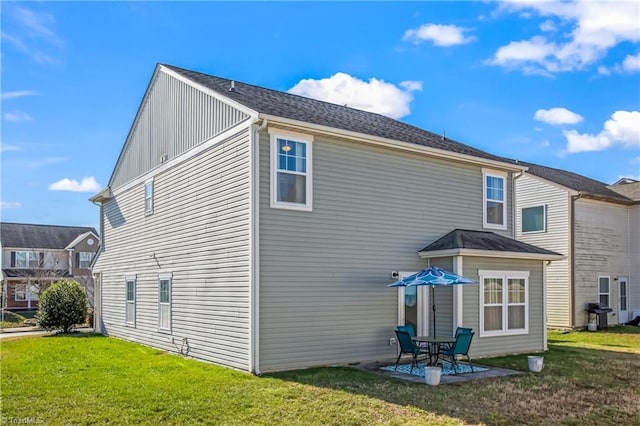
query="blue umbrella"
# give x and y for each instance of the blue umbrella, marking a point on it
(432, 276)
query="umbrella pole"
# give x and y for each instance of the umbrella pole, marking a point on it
(433, 309)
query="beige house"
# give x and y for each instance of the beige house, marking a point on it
(258, 230)
(597, 227)
(34, 256)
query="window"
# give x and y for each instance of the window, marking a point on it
(164, 303)
(84, 259)
(291, 171)
(504, 305)
(495, 202)
(603, 290)
(534, 219)
(27, 259)
(20, 292)
(130, 315)
(148, 197)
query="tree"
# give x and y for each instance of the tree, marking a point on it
(62, 306)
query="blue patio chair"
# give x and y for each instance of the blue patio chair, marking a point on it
(460, 347)
(462, 330)
(408, 328)
(408, 346)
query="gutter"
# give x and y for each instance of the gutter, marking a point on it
(380, 141)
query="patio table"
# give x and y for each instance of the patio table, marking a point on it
(433, 346)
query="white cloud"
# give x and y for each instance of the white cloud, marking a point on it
(622, 129)
(439, 35)
(548, 26)
(602, 70)
(631, 63)
(31, 33)
(635, 160)
(374, 96)
(87, 184)
(10, 204)
(18, 94)
(557, 116)
(17, 116)
(596, 27)
(7, 148)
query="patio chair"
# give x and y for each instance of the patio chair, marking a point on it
(460, 347)
(408, 346)
(408, 328)
(463, 330)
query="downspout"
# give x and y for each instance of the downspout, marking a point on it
(572, 252)
(97, 308)
(254, 260)
(513, 204)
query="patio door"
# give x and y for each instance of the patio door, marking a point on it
(623, 300)
(412, 303)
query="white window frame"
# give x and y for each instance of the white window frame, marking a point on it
(23, 292)
(28, 258)
(131, 322)
(544, 219)
(165, 277)
(608, 294)
(500, 175)
(80, 259)
(148, 198)
(505, 276)
(296, 137)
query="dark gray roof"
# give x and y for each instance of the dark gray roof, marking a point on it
(575, 181)
(483, 240)
(287, 105)
(22, 235)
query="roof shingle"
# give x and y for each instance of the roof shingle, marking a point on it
(22, 235)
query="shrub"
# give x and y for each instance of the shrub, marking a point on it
(62, 305)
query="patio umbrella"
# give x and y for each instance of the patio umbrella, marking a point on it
(432, 276)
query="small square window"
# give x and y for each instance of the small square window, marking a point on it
(533, 219)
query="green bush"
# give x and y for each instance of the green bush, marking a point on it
(62, 305)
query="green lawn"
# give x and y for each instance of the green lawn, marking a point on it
(589, 378)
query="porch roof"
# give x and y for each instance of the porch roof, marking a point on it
(464, 242)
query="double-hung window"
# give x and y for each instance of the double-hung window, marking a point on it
(504, 302)
(164, 302)
(148, 197)
(20, 292)
(84, 259)
(130, 314)
(27, 259)
(533, 219)
(604, 291)
(291, 180)
(494, 212)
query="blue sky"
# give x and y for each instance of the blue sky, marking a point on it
(552, 83)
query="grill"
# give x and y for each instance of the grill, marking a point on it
(600, 313)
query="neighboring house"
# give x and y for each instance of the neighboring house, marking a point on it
(258, 230)
(597, 227)
(34, 256)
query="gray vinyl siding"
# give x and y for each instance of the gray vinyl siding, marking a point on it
(601, 248)
(173, 118)
(200, 232)
(531, 192)
(323, 274)
(485, 346)
(444, 301)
